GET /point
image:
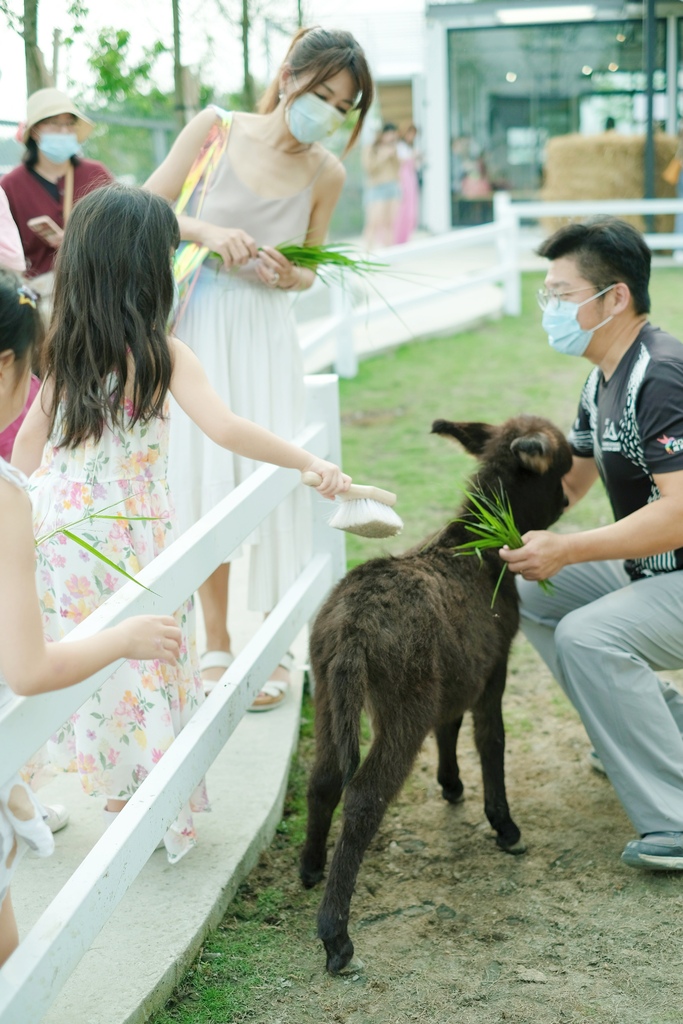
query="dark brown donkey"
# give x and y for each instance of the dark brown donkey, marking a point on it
(415, 642)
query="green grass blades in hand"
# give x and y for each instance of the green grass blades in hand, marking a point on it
(492, 524)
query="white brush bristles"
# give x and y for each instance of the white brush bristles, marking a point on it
(366, 518)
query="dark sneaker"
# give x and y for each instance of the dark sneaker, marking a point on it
(595, 762)
(656, 851)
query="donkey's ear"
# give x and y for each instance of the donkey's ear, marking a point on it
(472, 436)
(534, 452)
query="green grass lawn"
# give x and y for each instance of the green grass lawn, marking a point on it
(501, 369)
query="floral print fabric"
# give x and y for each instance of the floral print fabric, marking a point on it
(121, 732)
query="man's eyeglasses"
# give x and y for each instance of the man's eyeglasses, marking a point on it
(549, 299)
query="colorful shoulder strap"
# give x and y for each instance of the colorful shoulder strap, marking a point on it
(190, 256)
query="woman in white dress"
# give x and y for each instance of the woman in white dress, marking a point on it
(263, 179)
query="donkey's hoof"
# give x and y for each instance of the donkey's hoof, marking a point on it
(454, 796)
(511, 843)
(515, 850)
(339, 954)
(310, 876)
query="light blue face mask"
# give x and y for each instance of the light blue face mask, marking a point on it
(58, 146)
(311, 119)
(565, 334)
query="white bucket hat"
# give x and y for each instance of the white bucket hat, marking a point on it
(50, 102)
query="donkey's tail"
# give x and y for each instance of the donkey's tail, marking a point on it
(348, 688)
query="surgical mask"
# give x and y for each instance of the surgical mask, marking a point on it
(311, 119)
(565, 334)
(58, 146)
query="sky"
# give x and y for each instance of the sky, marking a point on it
(207, 41)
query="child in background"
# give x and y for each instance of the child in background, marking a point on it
(109, 369)
(12, 258)
(27, 664)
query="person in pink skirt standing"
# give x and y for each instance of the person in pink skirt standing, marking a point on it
(408, 211)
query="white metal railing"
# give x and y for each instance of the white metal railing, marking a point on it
(36, 972)
(510, 212)
(504, 266)
(345, 316)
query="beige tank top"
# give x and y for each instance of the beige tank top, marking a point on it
(231, 203)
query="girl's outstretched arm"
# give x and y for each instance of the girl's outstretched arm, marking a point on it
(33, 433)
(192, 391)
(27, 662)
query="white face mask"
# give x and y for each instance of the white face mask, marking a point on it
(58, 146)
(311, 119)
(565, 333)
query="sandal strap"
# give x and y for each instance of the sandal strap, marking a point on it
(216, 659)
(274, 688)
(287, 661)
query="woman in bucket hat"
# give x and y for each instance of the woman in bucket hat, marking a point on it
(42, 190)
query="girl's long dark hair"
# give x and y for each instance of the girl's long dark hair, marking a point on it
(322, 53)
(113, 296)
(21, 328)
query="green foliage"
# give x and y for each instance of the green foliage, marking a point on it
(120, 83)
(125, 87)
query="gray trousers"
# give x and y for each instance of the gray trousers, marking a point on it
(604, 638)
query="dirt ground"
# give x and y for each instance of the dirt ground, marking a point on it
(447, 928)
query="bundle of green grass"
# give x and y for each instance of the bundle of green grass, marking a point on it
(330, 260)
(492, 522)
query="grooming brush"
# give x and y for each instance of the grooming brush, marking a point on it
(365, 511)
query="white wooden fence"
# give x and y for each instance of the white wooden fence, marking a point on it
(345, 315)
(509, 214)
(507, 242)
(33, 976)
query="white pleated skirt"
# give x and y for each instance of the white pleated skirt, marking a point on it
(244, 334)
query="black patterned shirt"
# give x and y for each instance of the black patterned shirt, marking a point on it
(632, 425)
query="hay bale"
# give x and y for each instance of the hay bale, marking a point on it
(606, 166)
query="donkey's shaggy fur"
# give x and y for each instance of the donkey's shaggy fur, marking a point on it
(415, 641)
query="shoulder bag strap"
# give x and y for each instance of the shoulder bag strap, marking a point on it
(68, 201)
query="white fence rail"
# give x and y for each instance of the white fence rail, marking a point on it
(504, 266)
(345, 316)
(509, 214)
(36, 972)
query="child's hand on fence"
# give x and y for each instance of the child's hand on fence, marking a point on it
(151, 637)
(333, 480)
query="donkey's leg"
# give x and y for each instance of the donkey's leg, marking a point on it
(324, 793)
(448, 775)
(374, 785)
(489, 734)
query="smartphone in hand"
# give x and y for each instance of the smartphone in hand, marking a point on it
(46, 229)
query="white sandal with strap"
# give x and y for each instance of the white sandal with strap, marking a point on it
(214, 659)
(274, 689)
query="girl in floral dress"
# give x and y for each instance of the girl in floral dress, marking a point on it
(102, 417)
(27, 664)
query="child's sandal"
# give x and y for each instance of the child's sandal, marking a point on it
(274, 692)
(214, 659)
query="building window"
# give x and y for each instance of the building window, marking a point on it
(511, 89)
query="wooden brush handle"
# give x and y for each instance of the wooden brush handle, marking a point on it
(355, 491)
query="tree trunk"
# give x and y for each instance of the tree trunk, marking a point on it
(37, 75)
(177, 67)
(249, 98)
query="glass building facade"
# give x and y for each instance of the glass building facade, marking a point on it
(513, 87)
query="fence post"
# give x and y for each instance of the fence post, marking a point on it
(507, 242)
(346, 360)
(322, 404)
